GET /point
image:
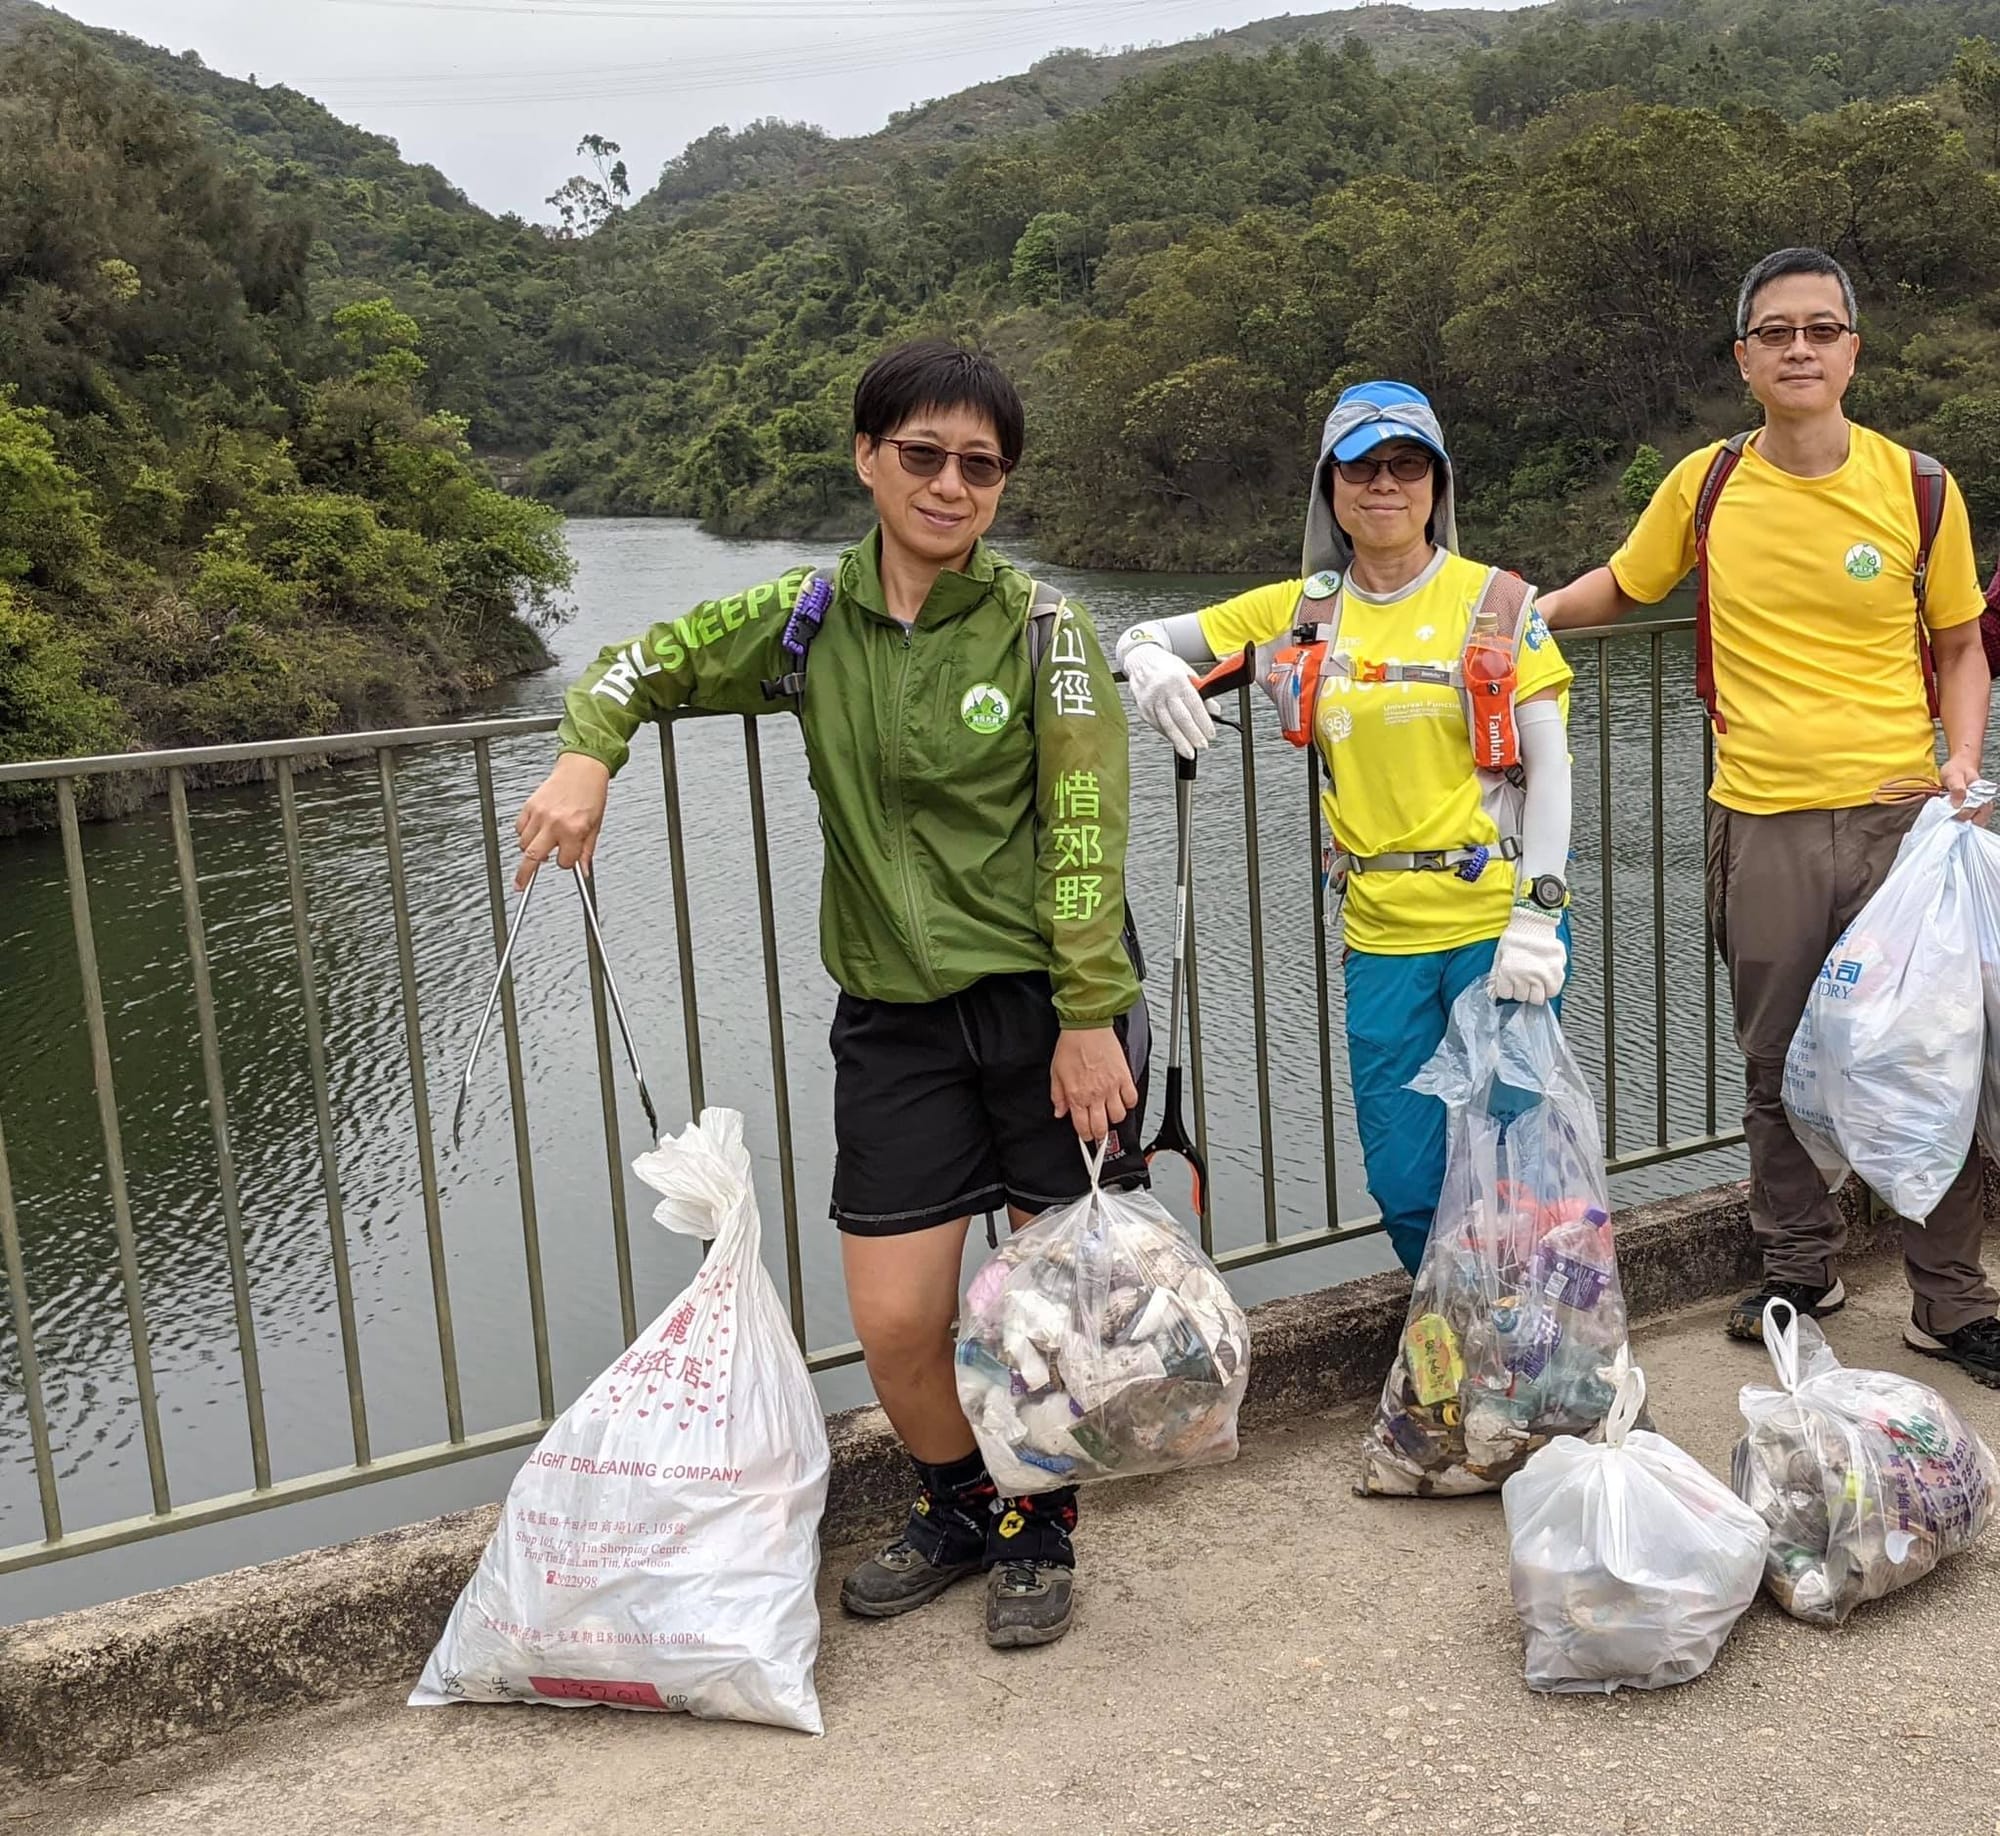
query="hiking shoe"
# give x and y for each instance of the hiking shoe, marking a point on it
(1746, 1318)
(1027, 1603)
(901, 1578)
(1974, 1348)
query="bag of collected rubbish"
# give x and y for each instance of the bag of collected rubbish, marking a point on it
(659, 1548)
(1883, 1075)
(1631, 1561)
(1101, 1343)
(1868, 1479)
(1517, 1315)
(1984, 883)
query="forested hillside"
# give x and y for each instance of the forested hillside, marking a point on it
(248, 354)
(225, 513)
(1546, 233)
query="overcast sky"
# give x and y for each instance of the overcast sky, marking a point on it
(498, 92)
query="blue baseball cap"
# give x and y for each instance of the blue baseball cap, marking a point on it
(1392, 411)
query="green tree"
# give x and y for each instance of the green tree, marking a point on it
(1644, 476)
(1976, 73)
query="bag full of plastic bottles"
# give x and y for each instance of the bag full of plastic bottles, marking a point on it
(660, 1547)
(1984, 882)
(1868, 1479)
(1100, 1343)
(1884, 1072)
(1631, 1562)
(1517, 1318)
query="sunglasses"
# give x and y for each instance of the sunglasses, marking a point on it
(1779, 337)
(1405, 467)
(922, 459)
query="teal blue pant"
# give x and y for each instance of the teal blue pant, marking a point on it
(1397, 1011)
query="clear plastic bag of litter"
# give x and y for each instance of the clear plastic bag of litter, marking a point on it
(1630, 1561)
(1884, 1072)
(1517, 1319)
(1868, 1479)
(1100, 1343)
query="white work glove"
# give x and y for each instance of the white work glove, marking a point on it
(1530, 962)
(1163, 689)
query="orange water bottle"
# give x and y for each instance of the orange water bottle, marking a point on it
(1489, 687)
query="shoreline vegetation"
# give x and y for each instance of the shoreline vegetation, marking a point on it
(288, 424)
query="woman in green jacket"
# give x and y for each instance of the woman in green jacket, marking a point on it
(968, 750)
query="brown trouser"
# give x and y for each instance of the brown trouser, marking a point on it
(1781, 889)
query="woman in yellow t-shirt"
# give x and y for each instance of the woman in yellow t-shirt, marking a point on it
(1451, 873)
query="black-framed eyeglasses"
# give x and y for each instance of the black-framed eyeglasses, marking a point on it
(926, 459)
(1779, 337)
(1406, 467)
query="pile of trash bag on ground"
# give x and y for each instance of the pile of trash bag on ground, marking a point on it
(1867, 1479)
(1100, 1343)
(1885, 1072)
(659, 1549)
(1630, 1562)
(1517, 1319)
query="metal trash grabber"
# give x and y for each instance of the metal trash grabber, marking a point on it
(587, 899)
(1173, 1136)
(500, 979)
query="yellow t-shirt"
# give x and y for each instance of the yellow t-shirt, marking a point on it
(1813, 619)
(1398, 759)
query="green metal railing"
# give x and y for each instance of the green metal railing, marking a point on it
(283, 759)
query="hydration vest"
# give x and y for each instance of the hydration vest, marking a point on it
(1294, 675)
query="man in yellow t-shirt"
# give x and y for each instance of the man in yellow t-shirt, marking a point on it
(1438, 899)
(1820, 713)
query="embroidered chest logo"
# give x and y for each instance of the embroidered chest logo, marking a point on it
(985, 708)
(1864, 561)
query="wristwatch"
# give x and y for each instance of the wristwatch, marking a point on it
(1545, 890)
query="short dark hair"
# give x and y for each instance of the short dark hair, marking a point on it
(1792, 261)
(936, 373)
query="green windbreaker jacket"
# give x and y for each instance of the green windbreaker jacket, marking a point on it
(973, 813)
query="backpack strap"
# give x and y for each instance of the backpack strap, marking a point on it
(1927, 483)
(802, 625)
(1044, 608)
(1727, 458)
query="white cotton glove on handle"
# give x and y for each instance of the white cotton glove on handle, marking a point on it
(1530, 963)
(1163, 688)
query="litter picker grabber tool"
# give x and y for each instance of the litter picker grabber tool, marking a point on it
(1173, 1136)
(587, 897)
(499, 981)
(492, 1001)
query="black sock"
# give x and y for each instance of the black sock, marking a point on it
(948, 1521)
(1033, 1529)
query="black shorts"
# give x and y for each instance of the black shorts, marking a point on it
(941, 1108)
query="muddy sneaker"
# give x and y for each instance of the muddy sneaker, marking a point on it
(901, 1578)
(1746, 1318)
(1027, 1603)
(1974, 1348)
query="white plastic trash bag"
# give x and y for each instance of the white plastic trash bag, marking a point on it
(1630, 1560)
(659, 1548)
(1868, 1479)
(1884, 1071)
(1983, 878)
(1517, 1320)
(1101, 1343)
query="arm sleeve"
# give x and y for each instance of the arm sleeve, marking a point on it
(1255, 617)
(1083, 807)
(1658, 554)
(1952, 595)
(716, 657)
(1545, 812)
(1182, 634)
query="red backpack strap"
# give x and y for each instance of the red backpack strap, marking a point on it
(1728, 456)
(1927, 485)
